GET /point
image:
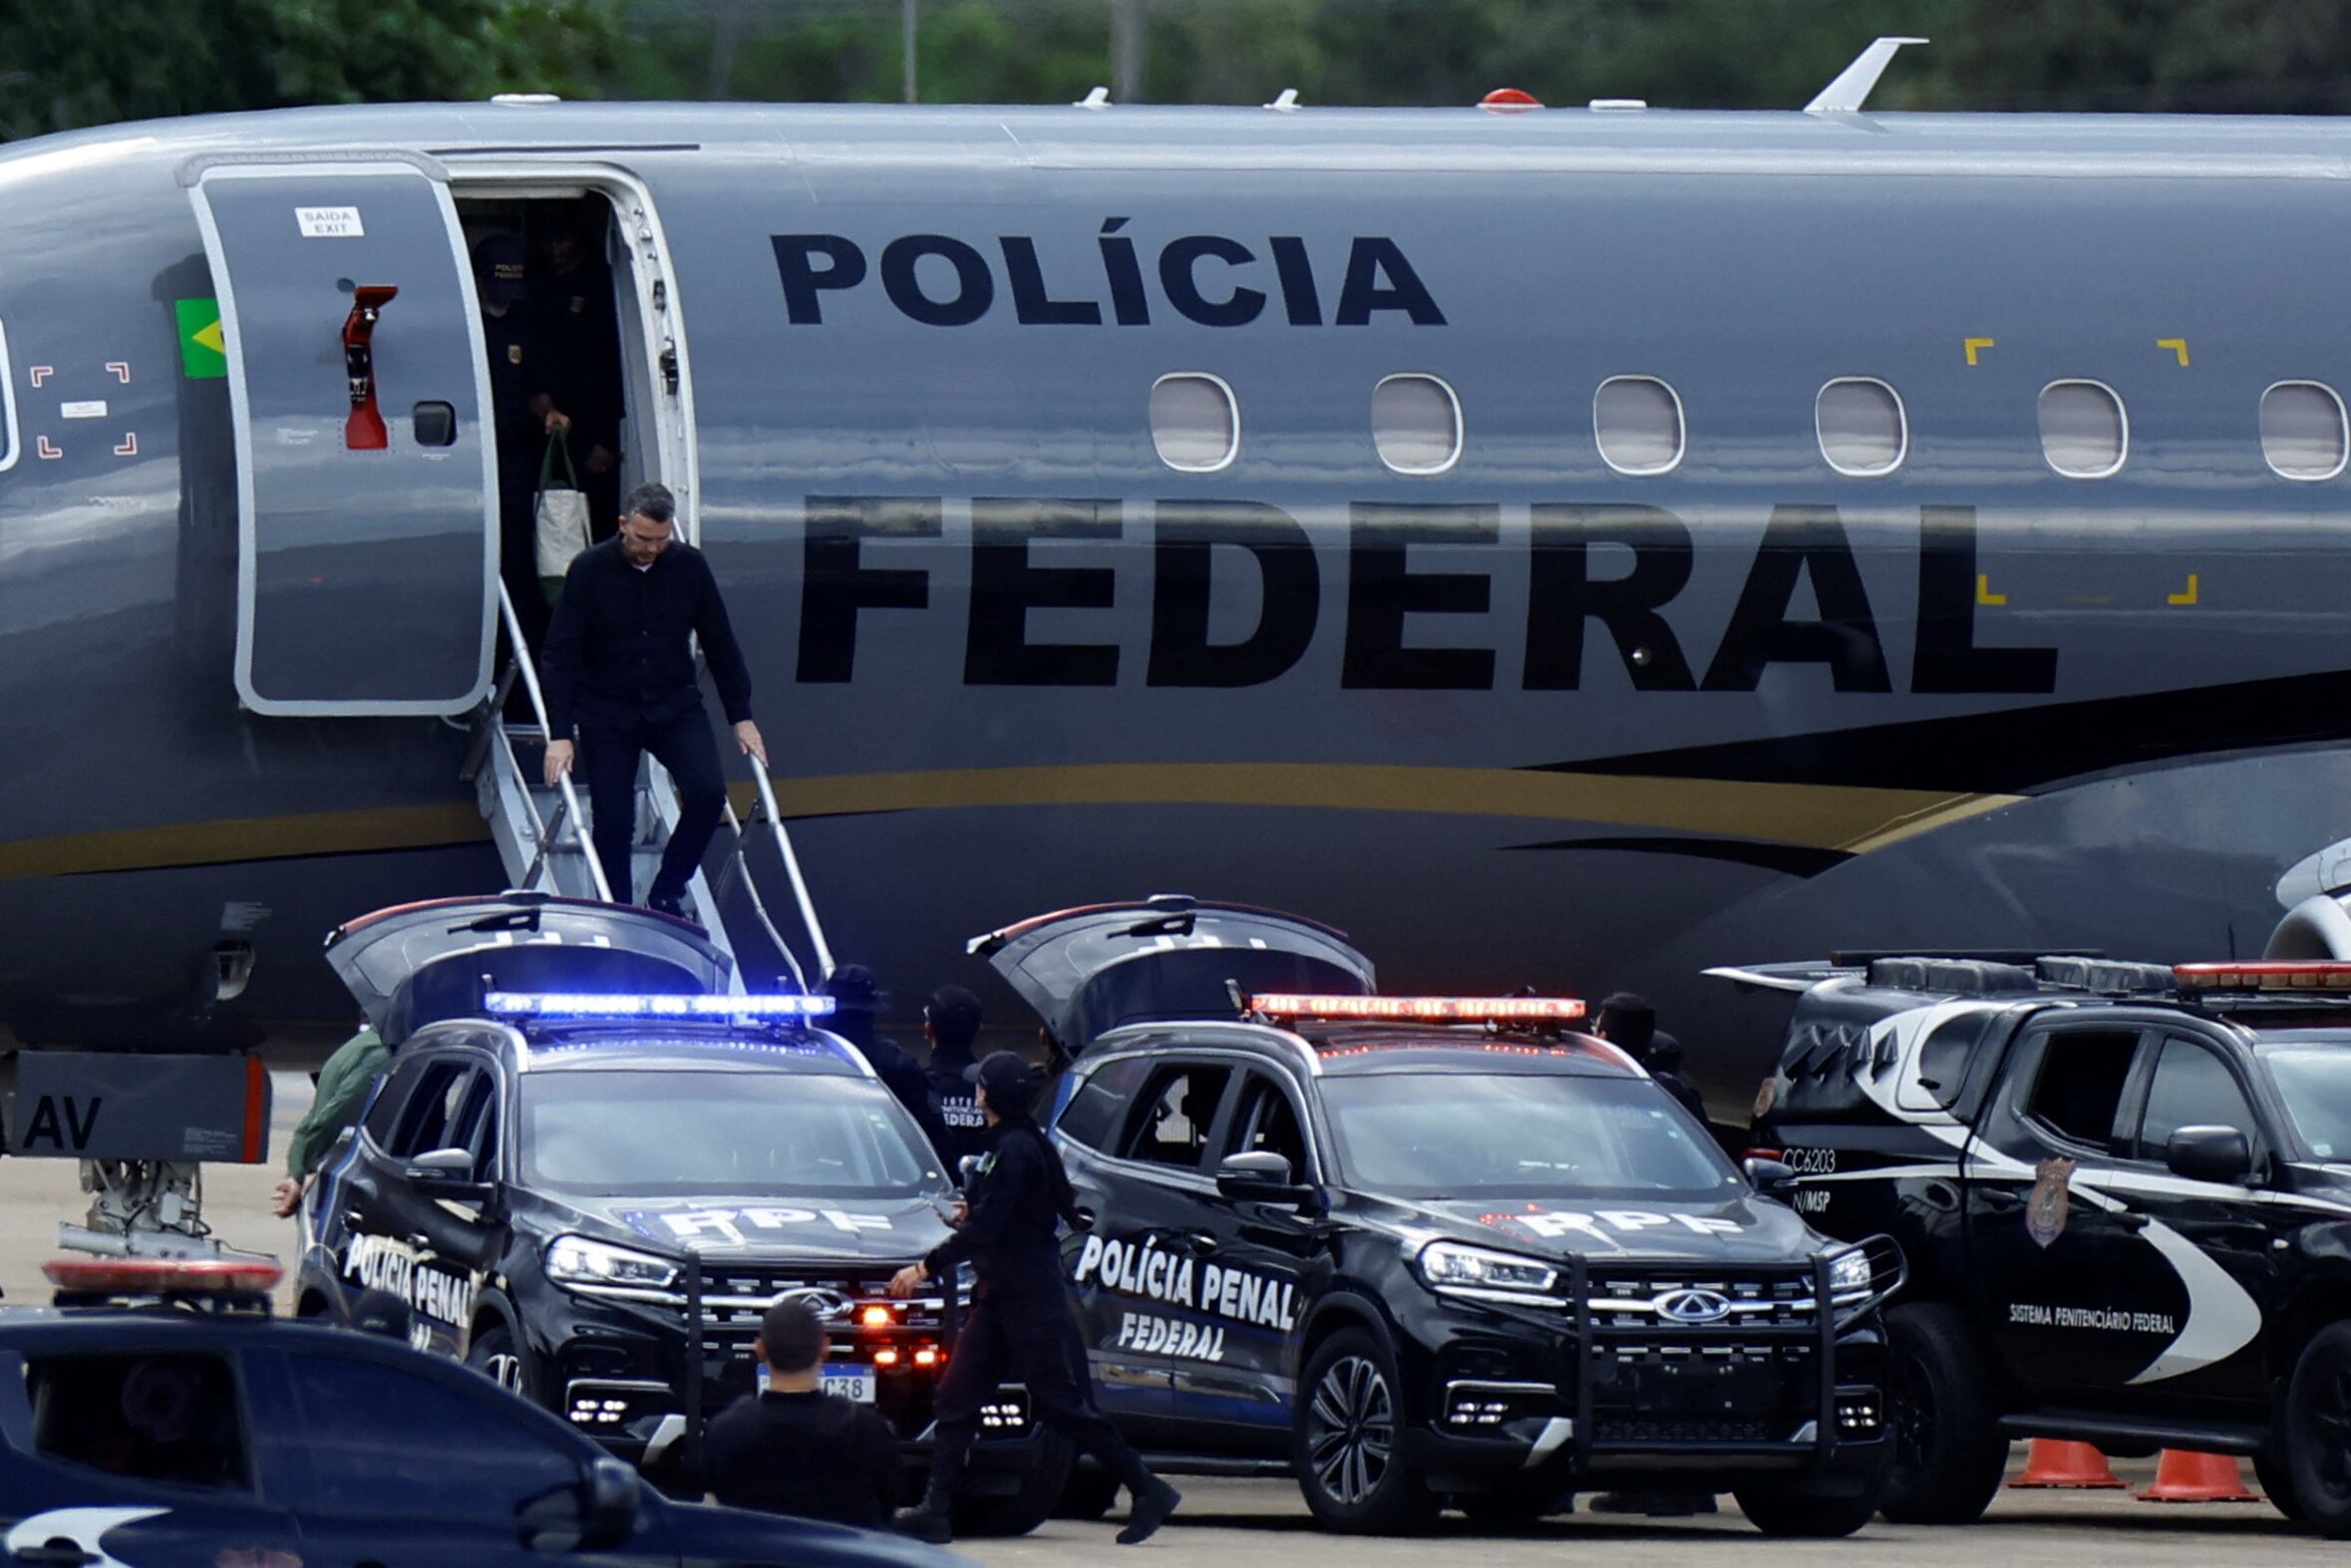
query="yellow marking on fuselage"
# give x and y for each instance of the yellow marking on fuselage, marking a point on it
(2190, 597)
(1828, 817)
(1984, 590)
(1974, 344)
(2178, 346)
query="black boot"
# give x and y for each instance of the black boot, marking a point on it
(1150, 1511)
(933, 1519)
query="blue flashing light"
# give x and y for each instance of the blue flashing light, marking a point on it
(577, 1005)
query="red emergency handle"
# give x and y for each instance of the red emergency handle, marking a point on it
(364, 430)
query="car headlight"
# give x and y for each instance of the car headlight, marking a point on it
(575, 1260)
(1443, 1263)
(1850, 1271)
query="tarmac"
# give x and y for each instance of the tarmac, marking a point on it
(1265, 1524)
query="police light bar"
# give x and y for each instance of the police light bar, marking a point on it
(1421, 1010)
(2318, 976)
(164, 1276)
(570, 1005)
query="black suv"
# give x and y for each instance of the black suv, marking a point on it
(559, 1182)
(164, 1418)
(1412, 1250)
(2124, 1196)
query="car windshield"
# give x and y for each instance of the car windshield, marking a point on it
(746, 1134)
(2314, 1080)
(1430, 1135)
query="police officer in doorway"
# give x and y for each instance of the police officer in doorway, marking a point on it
(1020, 1326)
(858, 1002)
(952, 1022)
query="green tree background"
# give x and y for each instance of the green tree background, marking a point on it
(65, 63)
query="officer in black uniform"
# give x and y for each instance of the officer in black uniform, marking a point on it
(519, 408)
(952, 1022)
(1628, 1021)
(858, 1001)
(1020, 1326)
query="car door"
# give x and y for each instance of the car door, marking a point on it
(1135, 1270)
(139, 1453)
(413, 1464)
(422, 1239)
(1255, 1257)
(2065, 1279)
(2215, 1236)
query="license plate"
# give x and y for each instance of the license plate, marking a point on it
(850, 1382)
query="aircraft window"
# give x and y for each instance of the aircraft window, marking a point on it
(7, 406)
(1637, 419)
(1417, 424)
(2085, 434)
(1195, 423)
(2304, 433)
(1863, 429)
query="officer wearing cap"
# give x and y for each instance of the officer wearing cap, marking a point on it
(1628, 1022)
(521, 407)
(858, 1000)
(1020, 1328)
(952, 1020)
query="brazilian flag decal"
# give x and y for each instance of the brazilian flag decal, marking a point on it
(203, 355)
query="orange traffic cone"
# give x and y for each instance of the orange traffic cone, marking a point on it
(2186, 1476)
(2078, 1465)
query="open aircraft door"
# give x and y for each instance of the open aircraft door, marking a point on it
(367, 492)
(1086, 971)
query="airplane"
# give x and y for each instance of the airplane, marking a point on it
(1559, 546)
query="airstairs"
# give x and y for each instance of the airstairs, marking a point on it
(545, 835)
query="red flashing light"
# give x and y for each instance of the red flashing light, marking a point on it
(164, 1276)
(926, 1357)
(2320, 976)
(1421, 1010)
(1508, 100)
(876, 1317)
(885, 1357)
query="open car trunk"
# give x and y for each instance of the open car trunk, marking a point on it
(1089, 970)
(415, 964)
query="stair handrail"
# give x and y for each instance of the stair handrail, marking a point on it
(538, 706)
(799, 885)
(759, 905)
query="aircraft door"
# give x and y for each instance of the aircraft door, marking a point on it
(366, 478)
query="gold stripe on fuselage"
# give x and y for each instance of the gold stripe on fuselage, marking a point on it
(1822, 816)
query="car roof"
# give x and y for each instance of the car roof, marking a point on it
(1355, 1049)
(572, 1045)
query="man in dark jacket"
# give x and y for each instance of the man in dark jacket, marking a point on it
(792, 1448)
(1020, 1328)
(858, 1001)
(1628, 1022)
(620, 667)
(952, 1020)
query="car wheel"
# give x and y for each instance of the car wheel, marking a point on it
(1780, 1508)
(1088, 1494)
(1949, 1455)
(1019, 1511)
(2318, 1433)
(2277, 1485)
(496, 1354)
(1346, 1441)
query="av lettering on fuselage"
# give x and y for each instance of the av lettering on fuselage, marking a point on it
(1203, 278)
(1392, 610)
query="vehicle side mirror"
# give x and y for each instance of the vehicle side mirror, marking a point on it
(2210, 1155)
(448, 1172)
(1260, 1176)
(1773, 1178)
(609, 1496)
